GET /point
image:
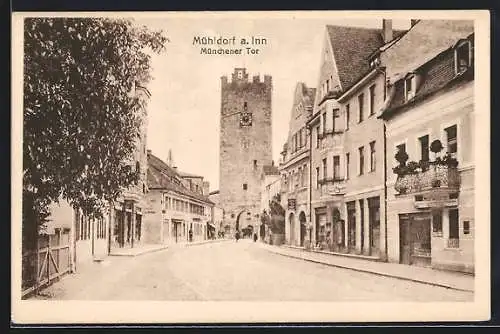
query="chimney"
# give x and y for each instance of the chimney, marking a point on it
(387, 30)
(148, 152)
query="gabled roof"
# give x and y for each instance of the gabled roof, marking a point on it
(160, 176)
(352, 48)
(435, 75)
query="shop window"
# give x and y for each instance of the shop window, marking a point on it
(453, 241)
(437, 224)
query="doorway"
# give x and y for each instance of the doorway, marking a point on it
(302, 220)
(291, 222)
(415, 239)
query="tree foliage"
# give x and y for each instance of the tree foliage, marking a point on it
(81, 116)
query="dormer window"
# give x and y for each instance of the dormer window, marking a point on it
(374, 62)
(240, 74)
(463, 56)
(410, 87)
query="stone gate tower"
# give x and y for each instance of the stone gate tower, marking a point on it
(245, 146)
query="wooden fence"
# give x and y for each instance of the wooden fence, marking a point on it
(50, 262)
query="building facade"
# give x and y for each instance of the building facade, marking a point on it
(126, 213)
(294, 168)
(174, 212)
(245, 145)
(430, 148)
(347, 160)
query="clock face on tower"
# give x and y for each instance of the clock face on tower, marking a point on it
(246, 119)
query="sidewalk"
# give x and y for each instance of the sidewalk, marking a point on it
(202, 242)
(141, 249)
(451, 280)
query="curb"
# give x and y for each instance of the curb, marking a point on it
(373, 272)
(204, 243)
(141, 253)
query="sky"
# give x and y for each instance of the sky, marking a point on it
(184, 110)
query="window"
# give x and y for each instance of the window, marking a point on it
(245, 186)
(463, 57)
(317, 177)
(466, 227)
(451, 139)
(424, 148)
(325, 168)
(240, 75)
(299, 177)
(409, 88)
(336, 167)
(255, 164)
(335, 115)
(453, 241)
(324, 123)
(245, 106)
(372, 156)
(327, 85)
(361, 98)
(372, 100)
(401, 148)
(317, 136)
(437, 223)
(347, 166)
(361, 151)
(347, 116)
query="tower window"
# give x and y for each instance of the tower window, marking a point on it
(245, 106)
(245, 186)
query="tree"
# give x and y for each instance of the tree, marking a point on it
(81, 118)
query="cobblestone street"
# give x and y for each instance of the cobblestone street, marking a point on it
(234, 271)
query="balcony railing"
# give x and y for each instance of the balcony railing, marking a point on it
(436, 177)
(332, 186)
(453, 243)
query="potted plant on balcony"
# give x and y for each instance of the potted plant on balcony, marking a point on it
(400, 170)
(436, 147)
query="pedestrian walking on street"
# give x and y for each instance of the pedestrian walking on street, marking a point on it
(255, 237)
(237, 236)
(190, 235)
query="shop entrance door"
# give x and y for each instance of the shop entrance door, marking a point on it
(404, 240)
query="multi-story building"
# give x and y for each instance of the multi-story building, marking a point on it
(126, 215)
(429, 117)
(294, 167)
(245, 145)
(174, 210)
(347, 161)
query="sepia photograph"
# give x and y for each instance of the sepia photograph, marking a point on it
(250, 167)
